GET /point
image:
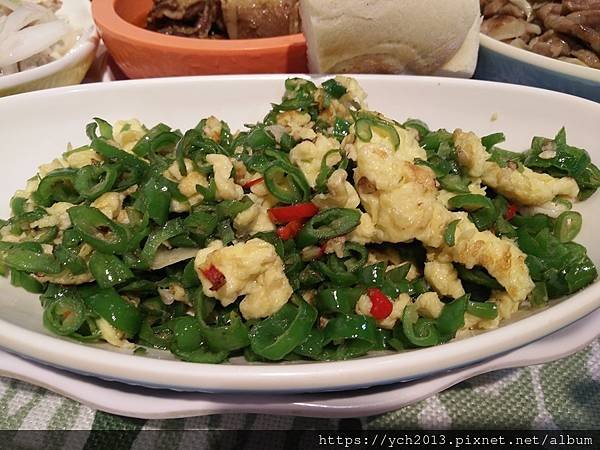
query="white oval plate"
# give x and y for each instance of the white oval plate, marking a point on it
(35, 128)
(143, 403)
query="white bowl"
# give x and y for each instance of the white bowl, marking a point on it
(67, 70)
(37, 126)
(499, 61)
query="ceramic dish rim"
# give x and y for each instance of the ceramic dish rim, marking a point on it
(544, 62)
(381, 369)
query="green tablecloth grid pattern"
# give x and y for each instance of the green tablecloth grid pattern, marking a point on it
(564, 394)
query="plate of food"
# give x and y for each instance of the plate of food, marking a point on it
(45, 43)
(426, 230)
(553, 45)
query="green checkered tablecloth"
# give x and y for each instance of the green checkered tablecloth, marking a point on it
(564, 394)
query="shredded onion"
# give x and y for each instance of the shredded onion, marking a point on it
(29, 33)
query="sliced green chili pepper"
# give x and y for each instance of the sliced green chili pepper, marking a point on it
(418, 125)
(452, 318)
(338, 277)
(227, 338)
(106, 129)
(280, 334)
(157, 237)
(312, 347)
(420, 332)
(363, 131)
(338, 300)
(118, 155)
(485, 310)
(17, 205)
(355, 256)
(477, 275)
(65, 315)
(328, 224)
(353, 335)
(372, 275)
(231, 208)
(199, 356)
(259, 138)
(29, 258)
(70, 260)
(450, 233)
(539, 295)
(492, 140)
(122, 315)
(144, 146)
(287, 183)
(333, 88)
(26, 281)
(324, 172)
(108, 270)
(46, 235)
(200, 223)
(470, 202)
(567, 226)
(98, 230)
(57, 186)
(158, 337)
(157, 198)
(93, 181)
(367, 122)
(341, 129)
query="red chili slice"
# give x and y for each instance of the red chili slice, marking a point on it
(285, 214)
(381, 306)
(290, 230)
(511, 211)
(251, 183)
(215, 277)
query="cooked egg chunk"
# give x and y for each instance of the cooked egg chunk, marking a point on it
(524, 186)
(253, 270)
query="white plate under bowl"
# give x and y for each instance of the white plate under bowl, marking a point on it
(499, 61)
(143, 403)
(36, 127)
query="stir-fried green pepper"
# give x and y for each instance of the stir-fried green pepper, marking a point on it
(98, 230)
(280, 334)
(121, 314)
(328, 224)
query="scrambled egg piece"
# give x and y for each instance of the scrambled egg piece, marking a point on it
(213, 128)
(341, 194)
(113, 336)
(226, 187)
(127, 133)
(252, 269)
(443, 277)
(363, 308)
(174, 293)
(309, 156)
(110, 204)
(525, 187)
(83, 158)
(186, 184)
(354, 97)
(429, 305)
(45, 169)
(400, 199)
(57, 216)
(255, 219)
(501, 257)
(297, 124)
